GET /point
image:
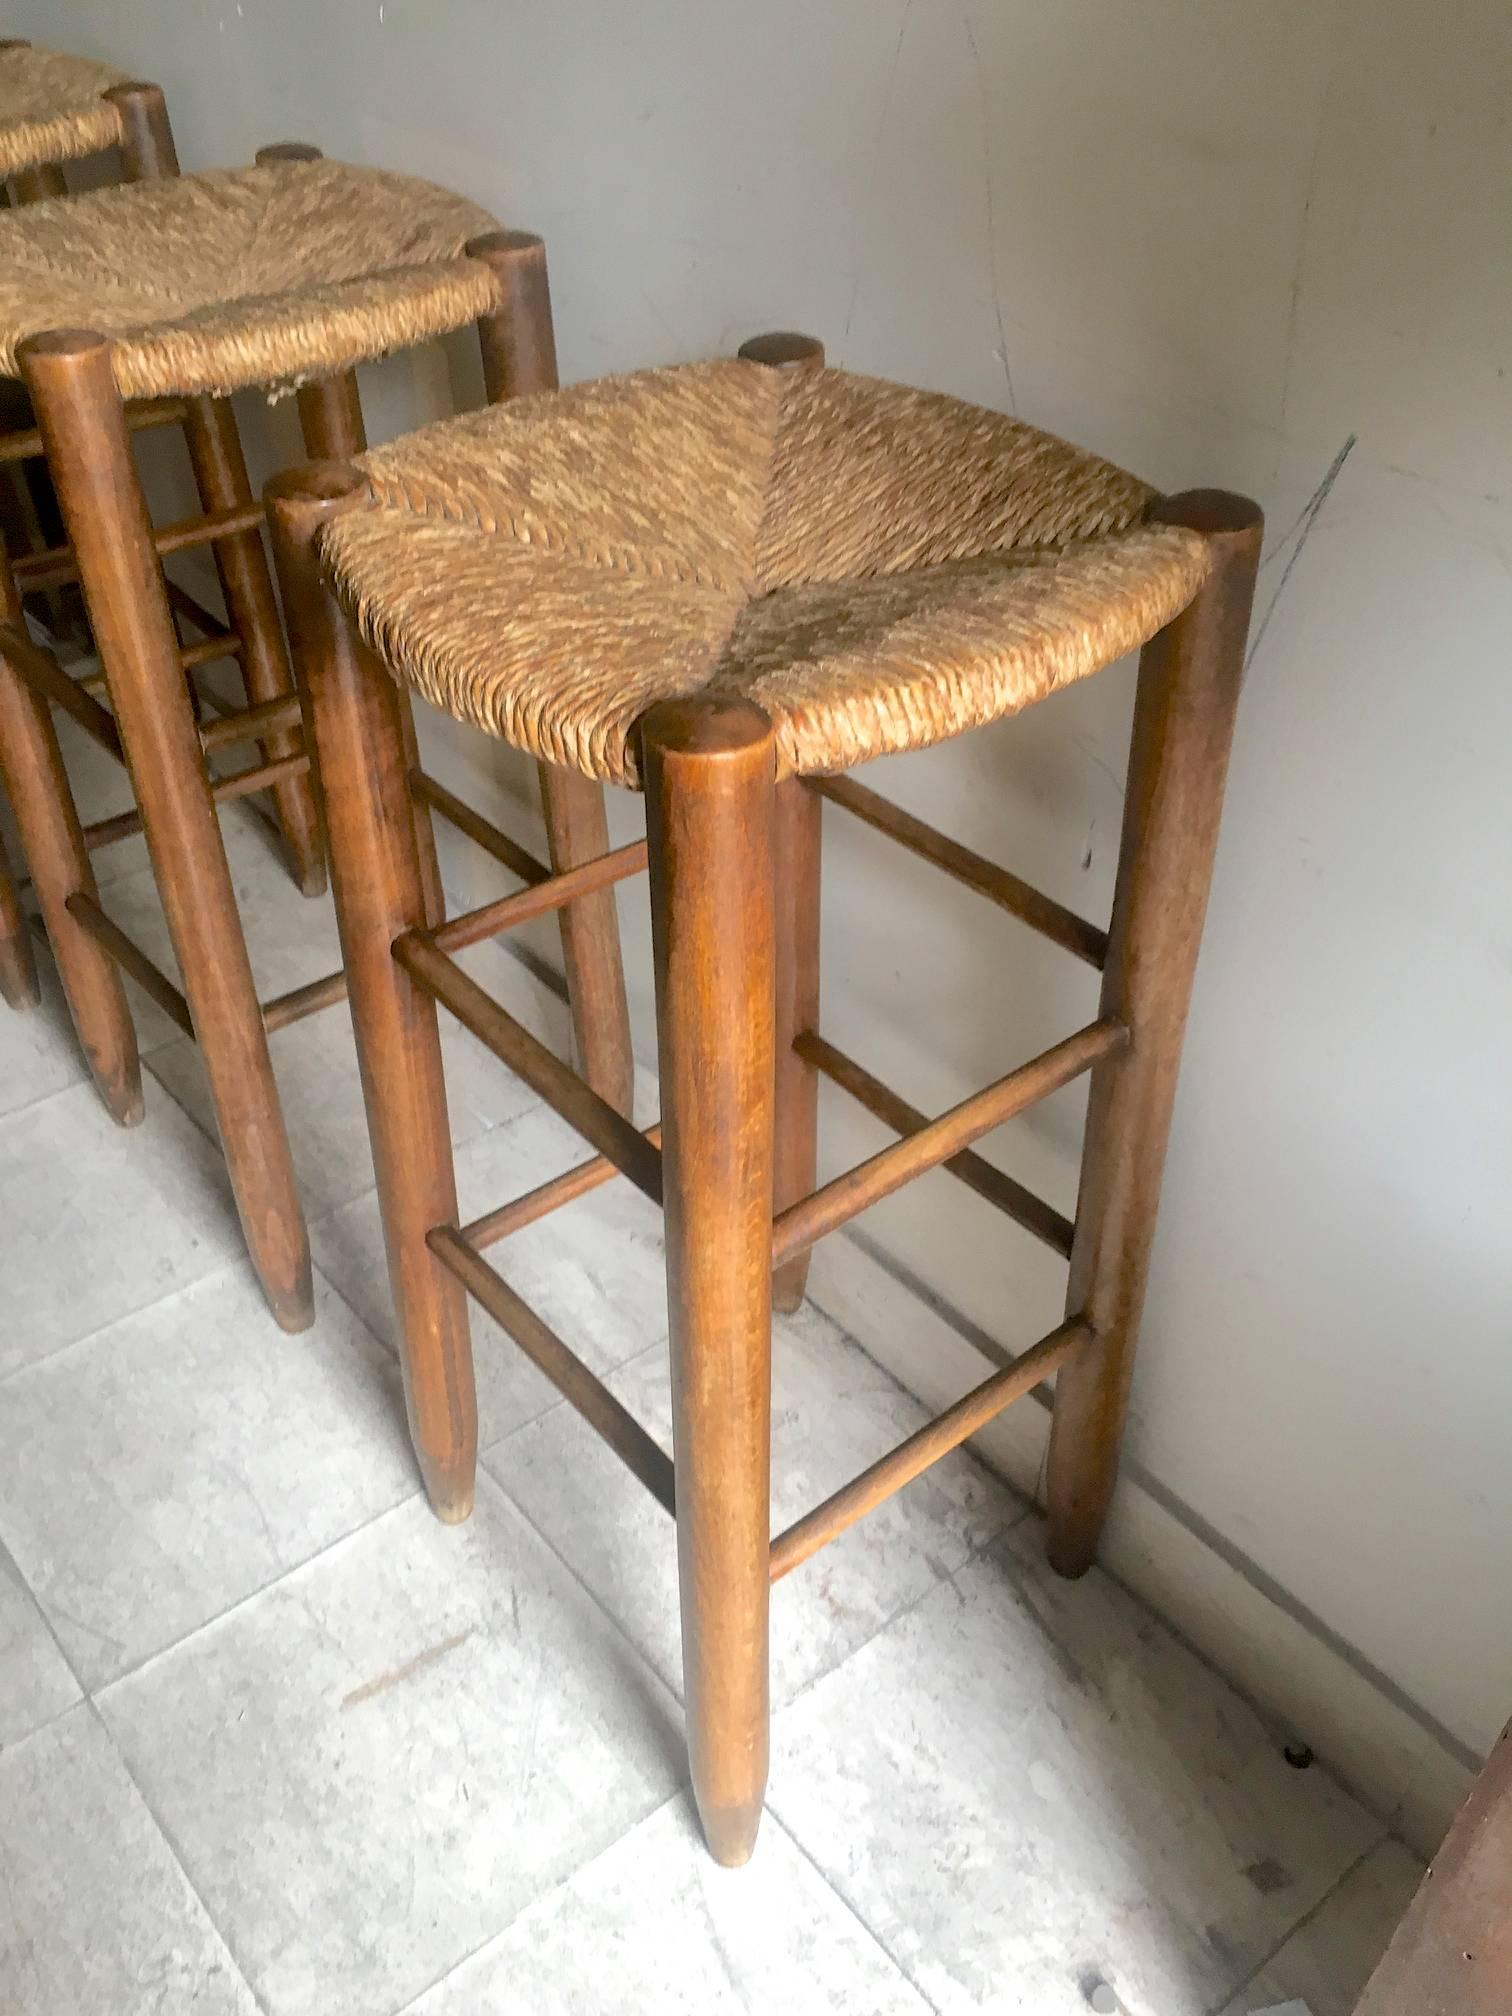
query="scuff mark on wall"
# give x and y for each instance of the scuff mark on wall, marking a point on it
(1301, 527)
(992, 262)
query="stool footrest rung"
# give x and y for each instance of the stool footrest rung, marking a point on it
(306, 1000)
(46, 677)
(989, 1183)
(482, 832)
(547, 1197)
(131, 959)
(834, 1204)
(59, 564)
(26, 443)
(936, 1439)
(563, 1090)
(1021, 899)
(539, 898)
(253, 724)
(583, 1390)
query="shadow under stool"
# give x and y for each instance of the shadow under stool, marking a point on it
(171, 293)
(725, 585)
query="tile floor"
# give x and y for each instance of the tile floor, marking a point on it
(272, 1739)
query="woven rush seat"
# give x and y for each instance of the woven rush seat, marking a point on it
(877, 568)
(269, 275)
(53, 108)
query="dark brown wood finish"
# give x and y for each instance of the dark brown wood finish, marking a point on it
(31, 770)
(1452, 1953)
(1188, 693)
(710, 773)
(79, 411)
(220, 472)
(147, 149)
(18, 969)
(989, 1183)
(889, 1169)
(330, 418)
(924, 1447)
(519, 357)
(799, 825)
(376, 874)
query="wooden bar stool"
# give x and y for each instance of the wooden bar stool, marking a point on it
(184, 289)
(54, 108)
(726, 584)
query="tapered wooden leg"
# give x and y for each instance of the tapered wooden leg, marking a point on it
(330, 418)
(709, 769)
(83, 427)
(18, 969)
(220, 471)
(375, 872)
(799, 824)
(519, 357)
(1189, 681)
(32, 768)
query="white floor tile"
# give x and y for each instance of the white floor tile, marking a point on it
(369, 1769)
(35, 1683)
(1327, 1961)
(321, 1088)
(1027, 1785)
(594, 1270)
(96, 1918)
(833, 1412)
(38, 1051)
(175, 1462)
(97, 1220)
(676, 1935)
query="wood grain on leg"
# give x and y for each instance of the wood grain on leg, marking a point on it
(330, 417)
(73, 388)
(220, 472)
(356, 711)
(519, 357)
(799, 815)
(710, 770)
(1189, 680)
(35, 782)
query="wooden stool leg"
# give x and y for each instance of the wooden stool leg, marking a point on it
(83, 427)
(799, 825)
(519, 357)
(18, 970)
(330, 418)
(709, 770)
(376, 875)
(220, 472)
(1189, 679)
(32, 767)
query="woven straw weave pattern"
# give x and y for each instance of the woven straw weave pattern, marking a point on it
(53, 108)
(877, 568)
(248, 276)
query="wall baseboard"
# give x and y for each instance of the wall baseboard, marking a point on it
(1385, 1750)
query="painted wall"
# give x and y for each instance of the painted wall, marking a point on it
(1260, 246)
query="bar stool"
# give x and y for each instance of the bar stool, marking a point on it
(285, 275)
(54, 108)
(724, 585)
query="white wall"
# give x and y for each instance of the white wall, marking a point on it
(1219, 243)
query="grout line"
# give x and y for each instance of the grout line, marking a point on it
(835, 1891)
(555, 1890)
(178, 1856)
(1305, 1920)
(252, 1595)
